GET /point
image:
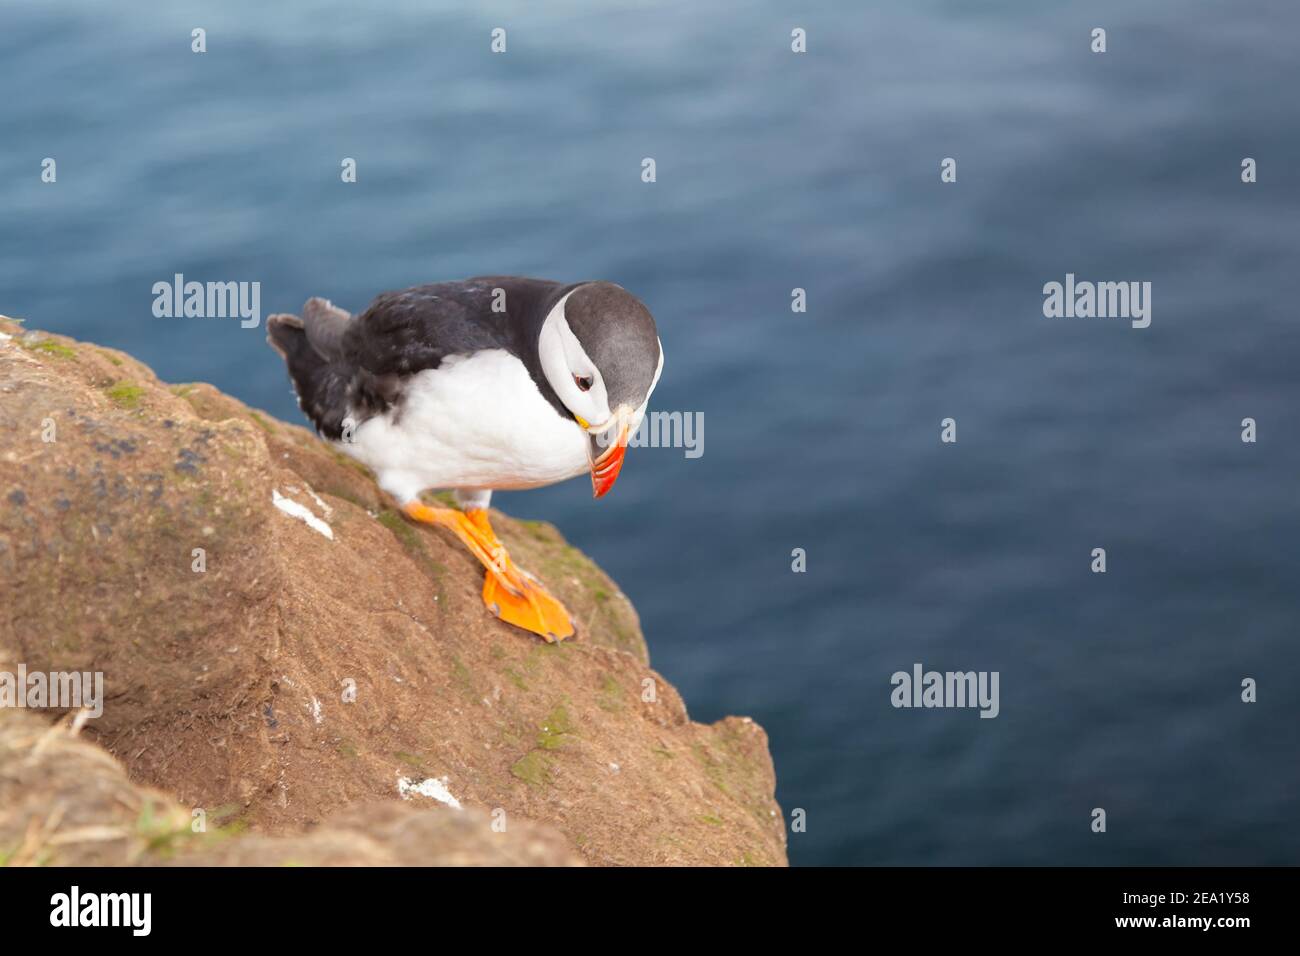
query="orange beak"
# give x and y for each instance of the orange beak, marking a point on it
(606, 466)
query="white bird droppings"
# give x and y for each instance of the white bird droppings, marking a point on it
(434, 788)
(301, 512)
(325, 508)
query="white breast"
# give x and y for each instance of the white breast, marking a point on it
(476, 421)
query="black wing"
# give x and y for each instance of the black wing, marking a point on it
(341, 365)
(406, 332)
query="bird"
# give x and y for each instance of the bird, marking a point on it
(485, 384)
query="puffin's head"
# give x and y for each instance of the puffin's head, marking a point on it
(600, 351)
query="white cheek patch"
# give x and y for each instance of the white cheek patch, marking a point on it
(580, 365)
(562, 357)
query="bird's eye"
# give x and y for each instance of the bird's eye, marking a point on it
(583, 382)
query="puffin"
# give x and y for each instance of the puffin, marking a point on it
(486, 384)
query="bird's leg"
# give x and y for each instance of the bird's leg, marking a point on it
(508, 591)
(458, 523)
(534, 609)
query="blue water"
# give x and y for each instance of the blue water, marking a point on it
(777, 171)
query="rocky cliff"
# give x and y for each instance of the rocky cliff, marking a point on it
(284, 652)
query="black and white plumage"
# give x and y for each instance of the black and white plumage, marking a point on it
(496, 382)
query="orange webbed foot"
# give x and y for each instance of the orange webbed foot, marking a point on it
(509, 592)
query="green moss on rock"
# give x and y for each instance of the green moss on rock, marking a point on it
(125, 394)
(533, 768)
(48, 347)
(556, 729)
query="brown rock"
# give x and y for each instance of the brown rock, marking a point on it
(64, 801)
(233, 687)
